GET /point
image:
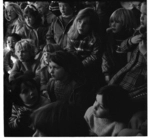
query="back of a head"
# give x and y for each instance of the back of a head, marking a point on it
(56, 119)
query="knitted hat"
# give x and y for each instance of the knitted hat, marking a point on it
(53, 6)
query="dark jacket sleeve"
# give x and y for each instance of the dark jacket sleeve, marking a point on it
(50, 33)
(95, 54)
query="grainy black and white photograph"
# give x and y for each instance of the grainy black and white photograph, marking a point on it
(75, 68)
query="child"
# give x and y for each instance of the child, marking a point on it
(133, 76)
(44, 66)
(84, 41)
(33, 28)
(14, 16)
(57, 31)
(26, 64)
(122, 25)
(110, 112)
(9, 56)
(67, 74)
(26, 98)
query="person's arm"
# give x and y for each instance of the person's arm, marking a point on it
(95, 54)
(129, 44)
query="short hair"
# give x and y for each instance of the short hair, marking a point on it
(16, 88)
(59, 119)
(26, 45)
(16, 36)
(32, 11)
(116, 100)
(16, 9)
(69, 62)
(125, 17)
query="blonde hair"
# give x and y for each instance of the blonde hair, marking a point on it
(25, 45)
(93, 22)
(125, 17)
(16, 9)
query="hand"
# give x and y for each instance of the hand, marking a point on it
(142, 47)
(107, 78)
(45, 94)
(136, 39)
(24, 116)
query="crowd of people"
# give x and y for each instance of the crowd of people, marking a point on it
(75, 68)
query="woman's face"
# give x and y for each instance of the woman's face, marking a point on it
(99, 110)
(83, 26)
(65, 9)
(57, 71)
(116, 26)
(11, 13)
(29, 95)
(30, 20)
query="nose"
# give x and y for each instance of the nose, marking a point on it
(95, 106)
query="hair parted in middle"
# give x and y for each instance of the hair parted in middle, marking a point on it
(93, 22)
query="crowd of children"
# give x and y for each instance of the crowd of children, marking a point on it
(60, 57)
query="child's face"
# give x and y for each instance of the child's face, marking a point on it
(11, 13)
(57, 71)
(143, 18)
(11, 42)
(29, 95)
(65, 9)
(46, 57)
(30, 20)
(99, 110)
(83, 26)
(23, 55)
(116, 26)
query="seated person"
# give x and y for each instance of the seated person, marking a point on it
(26, 98)
(110, 112)
(26, 64)
(9, 52)
(66, 75)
